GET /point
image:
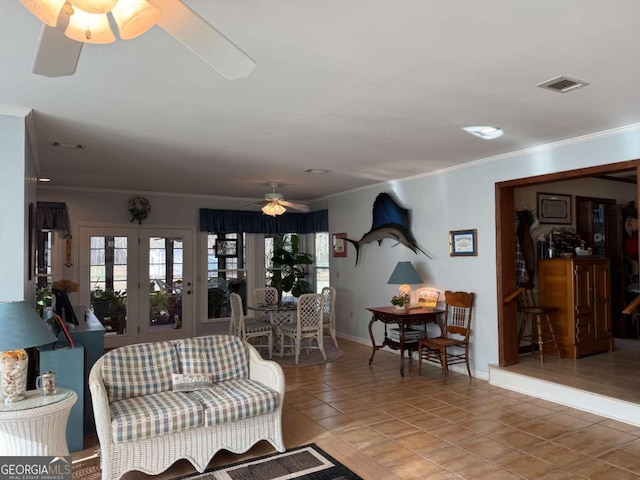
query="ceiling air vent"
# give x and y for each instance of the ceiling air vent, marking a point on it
(562, 84)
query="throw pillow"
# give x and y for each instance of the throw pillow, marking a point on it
(188, 382)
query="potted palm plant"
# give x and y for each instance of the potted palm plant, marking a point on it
(289, 272)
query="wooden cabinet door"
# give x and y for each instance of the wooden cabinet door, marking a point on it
(602, 300)
(584, 308)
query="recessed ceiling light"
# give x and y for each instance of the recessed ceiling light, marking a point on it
(44, 180)
(77, 146)
(317, 171)
(485, 131)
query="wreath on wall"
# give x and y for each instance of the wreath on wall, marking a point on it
(139, 208)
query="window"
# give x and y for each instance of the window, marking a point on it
(225, 275)
(308, 278)
(108, 263)
(44, 242)
(321, 260)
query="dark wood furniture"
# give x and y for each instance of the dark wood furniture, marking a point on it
(580, 290)
(403, 318)
(600, 222)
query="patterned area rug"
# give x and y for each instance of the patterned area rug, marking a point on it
(308, 462)
(313, 357)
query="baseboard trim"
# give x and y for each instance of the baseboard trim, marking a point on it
(608, 407)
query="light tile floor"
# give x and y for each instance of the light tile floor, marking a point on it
(384, 426)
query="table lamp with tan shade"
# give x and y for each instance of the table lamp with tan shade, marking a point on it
(20, 328)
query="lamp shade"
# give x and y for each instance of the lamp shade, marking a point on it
(89, 28)
(134, 17)
(404, 273)
(46, 11)
(273, 209)
(21, 327)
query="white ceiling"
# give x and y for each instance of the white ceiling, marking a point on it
(371, 90)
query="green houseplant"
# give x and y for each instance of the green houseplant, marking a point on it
(108, 301)
(400, 301)
(289, 266)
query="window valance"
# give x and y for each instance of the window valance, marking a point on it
(229, 221)
(52, 216)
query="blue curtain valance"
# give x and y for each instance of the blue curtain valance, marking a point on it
(229, 221)
(52, 216)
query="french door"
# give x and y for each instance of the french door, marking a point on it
(139, 281)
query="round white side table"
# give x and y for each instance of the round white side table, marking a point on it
(36, 425)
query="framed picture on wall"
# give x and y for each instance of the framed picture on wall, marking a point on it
(339, 245)
(554, 208)
(463, 243)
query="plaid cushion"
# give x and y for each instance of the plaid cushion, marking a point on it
(224, 356)
(142, 369)
(143, 417)
(234, 400)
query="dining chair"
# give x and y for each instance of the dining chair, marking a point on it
(263, 296)
(329, 313)
(308, 326)
(452, 346)
(248, 330)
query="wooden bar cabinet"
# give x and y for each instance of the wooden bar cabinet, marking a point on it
(580, 289)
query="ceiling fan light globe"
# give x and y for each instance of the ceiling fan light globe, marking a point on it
(94, 6)
(46, 11)
(274, 209)
(89, 28)
(134, 17)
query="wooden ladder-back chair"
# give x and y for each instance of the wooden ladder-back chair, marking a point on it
(532, 313)
(452, 346)
(329, 313)
(308, 325)
(250, 330)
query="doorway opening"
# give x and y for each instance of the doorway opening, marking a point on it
(505, 193)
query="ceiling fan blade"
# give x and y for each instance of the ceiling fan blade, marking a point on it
(296, 206)
(56, 54)
(203, 39)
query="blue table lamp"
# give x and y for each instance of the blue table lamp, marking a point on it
(404, 275)
(20, 328)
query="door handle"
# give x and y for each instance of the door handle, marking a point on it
(188, 292)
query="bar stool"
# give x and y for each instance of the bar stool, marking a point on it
(540, 314)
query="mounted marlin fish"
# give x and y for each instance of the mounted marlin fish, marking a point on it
(389, 221)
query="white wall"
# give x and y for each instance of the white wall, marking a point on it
(454, 199)
(17, 190)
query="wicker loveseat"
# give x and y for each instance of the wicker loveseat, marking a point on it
(155, 403)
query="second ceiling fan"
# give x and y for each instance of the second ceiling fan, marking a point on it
(69, 24)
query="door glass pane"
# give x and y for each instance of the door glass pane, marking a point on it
(108, 282)
(165, 286)
(226, 273)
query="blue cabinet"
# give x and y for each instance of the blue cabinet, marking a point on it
(90, 333)
(68, 363)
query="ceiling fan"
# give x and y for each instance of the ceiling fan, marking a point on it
(274, 203)
(69, 24)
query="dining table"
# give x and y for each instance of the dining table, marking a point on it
(279, 314)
